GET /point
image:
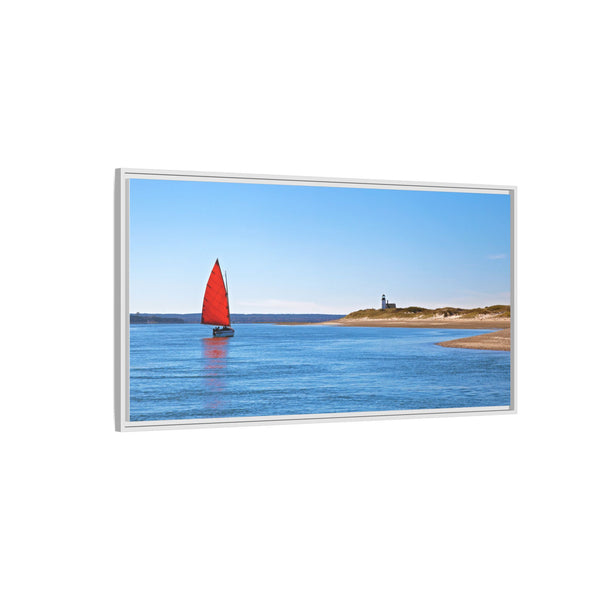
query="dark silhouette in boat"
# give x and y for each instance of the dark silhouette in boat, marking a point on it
(215, 308)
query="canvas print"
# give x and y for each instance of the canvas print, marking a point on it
(259, 300)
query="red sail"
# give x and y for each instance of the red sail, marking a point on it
(215, 310)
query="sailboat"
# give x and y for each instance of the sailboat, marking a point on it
(215, 308)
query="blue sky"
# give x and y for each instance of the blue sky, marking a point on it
(308, 249)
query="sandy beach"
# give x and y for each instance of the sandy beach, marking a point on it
(438, 323)
(496, 340)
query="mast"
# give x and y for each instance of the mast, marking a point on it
(227, 296)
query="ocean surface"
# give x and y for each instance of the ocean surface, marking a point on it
(182, 372)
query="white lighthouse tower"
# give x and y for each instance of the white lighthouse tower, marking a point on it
(383, 302)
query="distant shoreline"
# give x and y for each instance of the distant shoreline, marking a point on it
(236, 318)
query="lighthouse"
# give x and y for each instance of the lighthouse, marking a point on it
(385, 304)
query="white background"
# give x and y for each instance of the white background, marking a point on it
(466, 507)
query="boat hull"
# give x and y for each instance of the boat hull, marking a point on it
(223, 332)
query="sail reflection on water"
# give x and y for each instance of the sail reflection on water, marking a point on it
(215, 358)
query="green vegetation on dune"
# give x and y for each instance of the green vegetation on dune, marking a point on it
(498, 311)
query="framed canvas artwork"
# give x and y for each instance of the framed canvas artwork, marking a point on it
(245, 299)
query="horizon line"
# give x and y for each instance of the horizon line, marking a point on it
(322, 313)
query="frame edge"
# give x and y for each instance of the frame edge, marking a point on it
(117, 306)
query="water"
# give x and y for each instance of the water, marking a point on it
(179, 372)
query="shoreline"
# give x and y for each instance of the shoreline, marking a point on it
(496, 340)
(428, 323)
(500, 339)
